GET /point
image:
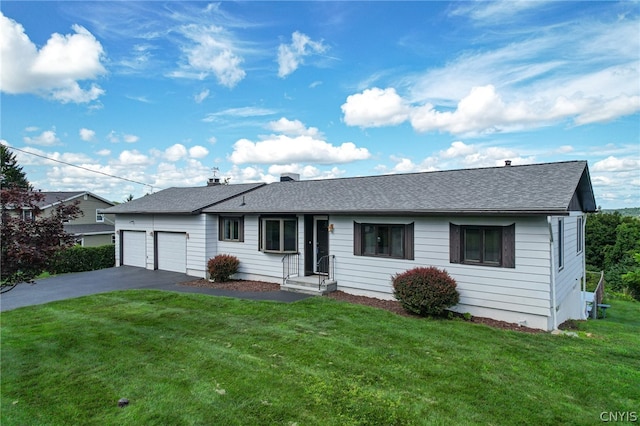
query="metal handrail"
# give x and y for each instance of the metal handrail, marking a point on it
(290, 266)
(329, 261)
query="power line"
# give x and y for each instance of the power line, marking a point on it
(81, 167)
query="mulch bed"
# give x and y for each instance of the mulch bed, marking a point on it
(389, 305)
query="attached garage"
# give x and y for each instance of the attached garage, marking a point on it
(134, 249)
(171, 251)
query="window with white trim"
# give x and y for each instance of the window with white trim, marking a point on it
(279, 234)
(560, 243)
(99, 216)
(231, 229)
(579, 242)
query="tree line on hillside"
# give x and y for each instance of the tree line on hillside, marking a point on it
(613, 246)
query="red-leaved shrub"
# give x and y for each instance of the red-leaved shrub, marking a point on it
(222, 267)
(425, 291)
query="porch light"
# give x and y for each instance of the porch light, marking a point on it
(330, 227)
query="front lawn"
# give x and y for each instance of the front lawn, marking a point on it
(185, 359)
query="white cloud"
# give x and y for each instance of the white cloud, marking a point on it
(568, 72)
(375, 107)
(614, 164)
(130, 138)
(242, 112)
(133, 158)
(291, 56)
(175, 152)
(490, 12)
(201, 96)
(113, 137)
(104, 152)
(210, 50)
(482, 111)
(292, 128)
(87, 135)
(459, 155)
(55, 70)
(284, 149)
(198, 151)
(46, 138)
(295, 144)
(212, 140)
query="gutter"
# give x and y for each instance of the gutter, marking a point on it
(554, 314)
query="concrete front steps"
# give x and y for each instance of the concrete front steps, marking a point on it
(309, 285)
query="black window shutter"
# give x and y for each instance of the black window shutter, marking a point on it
(220, 228)
(241, 229)
(357, 239)
(454, 243)
(408, 241)
(509, 246)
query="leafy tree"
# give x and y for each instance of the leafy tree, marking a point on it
(600, 234)
(11, 173)
(27, 245)
(632, 278)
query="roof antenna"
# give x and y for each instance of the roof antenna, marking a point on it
(243, 203)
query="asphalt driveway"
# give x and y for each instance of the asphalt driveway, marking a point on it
(68, 286)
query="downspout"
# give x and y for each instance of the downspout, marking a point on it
(553, 275)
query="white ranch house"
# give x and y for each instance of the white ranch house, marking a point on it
(512, 237)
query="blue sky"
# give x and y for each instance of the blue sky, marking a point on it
(160, 93)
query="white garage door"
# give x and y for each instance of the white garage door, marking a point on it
(134, 250)
(172, 251)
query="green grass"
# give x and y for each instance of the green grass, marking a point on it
(184, 359)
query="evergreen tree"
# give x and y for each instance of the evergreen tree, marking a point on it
(11, 174)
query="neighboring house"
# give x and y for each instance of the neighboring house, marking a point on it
(92, 227)
(512, 237)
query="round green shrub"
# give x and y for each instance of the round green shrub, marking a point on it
(425, 291)
(222, 267)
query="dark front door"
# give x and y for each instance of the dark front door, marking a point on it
(321, 242)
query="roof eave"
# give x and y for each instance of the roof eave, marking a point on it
(409, 212)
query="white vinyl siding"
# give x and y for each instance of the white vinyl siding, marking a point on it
(524, 288)
(569, 278)
(256, 264)
(193, 227)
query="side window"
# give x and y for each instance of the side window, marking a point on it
(482, 245)
(99, 216)
(231, 229)
(279, 235)
(383, 240)
(560, 243)
(580, 235)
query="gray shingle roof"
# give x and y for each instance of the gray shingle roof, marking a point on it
(181, 200)
(88, 229)
(550, 188)
(54, 197)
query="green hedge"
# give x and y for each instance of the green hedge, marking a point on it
(79, 259)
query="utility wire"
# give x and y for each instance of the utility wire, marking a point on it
(81, 167)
